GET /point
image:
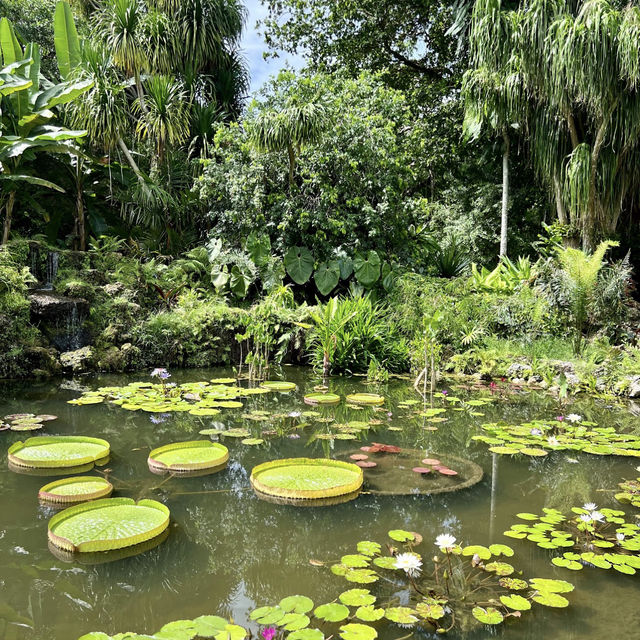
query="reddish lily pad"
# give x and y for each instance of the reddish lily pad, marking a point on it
(431, 461)
(447, 472)
(366, 464)
(359, 456)
(421, 470)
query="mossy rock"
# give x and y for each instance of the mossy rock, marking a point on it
(306, 478)
(72, 490)
(47, 452)
(195, 455)
(108, 524)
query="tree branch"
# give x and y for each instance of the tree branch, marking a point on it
(436, 73)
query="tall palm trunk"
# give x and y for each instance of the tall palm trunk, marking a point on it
(292, 164)
(7, 217)
(505, 195)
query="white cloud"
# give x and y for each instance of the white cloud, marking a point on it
(253, 46)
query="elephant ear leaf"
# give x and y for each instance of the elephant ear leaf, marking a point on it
(65, 39)
(298, 262)
(367, 268)
(327, 276)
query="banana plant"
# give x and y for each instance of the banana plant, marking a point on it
(27, 117)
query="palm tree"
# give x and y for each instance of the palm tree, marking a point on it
(289, 130)
(568, 71)
(165, 119)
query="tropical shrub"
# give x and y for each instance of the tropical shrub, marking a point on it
(348, 333)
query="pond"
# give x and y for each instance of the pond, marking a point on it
(228, 551)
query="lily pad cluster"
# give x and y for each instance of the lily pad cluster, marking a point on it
(25, 421)
(459, 587)
(590, 537)
(207, 627)
(196, 398)
(538, 437)
(630, 493)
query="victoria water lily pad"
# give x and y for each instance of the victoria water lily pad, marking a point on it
(188, 456)
(322, 398)
(72, 490)
(278, 385)
(107, 524)
(58, 451)
(365, 398)
(306, 478)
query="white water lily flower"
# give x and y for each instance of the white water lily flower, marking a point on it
(573, 417)
(445, 541)
(585, 517)
(590, 506)
(553, 441)
(410, 563)
(597, 516)
(536, 432)
(619, 537)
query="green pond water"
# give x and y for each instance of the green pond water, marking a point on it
(229, 551)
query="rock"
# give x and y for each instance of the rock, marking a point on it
(114, 289)
(518, 370)
(534, 379)
(47, 305)
(633, 388)
(77, 361)
(42, 360)
(562, 366)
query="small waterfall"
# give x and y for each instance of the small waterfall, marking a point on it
(73, 329)
(53, 258)
(34, 260)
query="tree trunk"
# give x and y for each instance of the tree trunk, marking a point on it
(505, 195)
(292, 164)
(560, 210)
(7, 217)
(80, 226)
(130, 160)
(140, 92)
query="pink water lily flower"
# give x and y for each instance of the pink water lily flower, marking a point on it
(268, 633)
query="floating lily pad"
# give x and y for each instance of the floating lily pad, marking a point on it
(194, 455)
(72, 490)
(332, 612)
(107, 524)
(278, 385)
(365, 398)
(306, 478)
(322, 398)
(357, 597)
(490, 615)
(354, 631)
(223, 380)
(58, 451)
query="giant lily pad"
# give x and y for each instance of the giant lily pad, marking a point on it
(72, 490)
(107, 524)
(58, 451)
(321, 398)
(365, 398)
(278, 385)
(306, 478)
(195, 455)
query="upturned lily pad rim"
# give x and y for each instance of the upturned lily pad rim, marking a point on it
(39, 441)
(47, 493)
(108, 544)
(219, 457)
(104, 557)
(311, 494)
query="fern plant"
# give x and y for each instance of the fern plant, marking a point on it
(580, 271)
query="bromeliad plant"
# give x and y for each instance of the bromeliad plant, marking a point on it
(538, 437)
(594, 537)
(461, 588)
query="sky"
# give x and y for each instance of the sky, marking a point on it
(253, 46)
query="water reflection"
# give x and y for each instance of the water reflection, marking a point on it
(228, 551)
